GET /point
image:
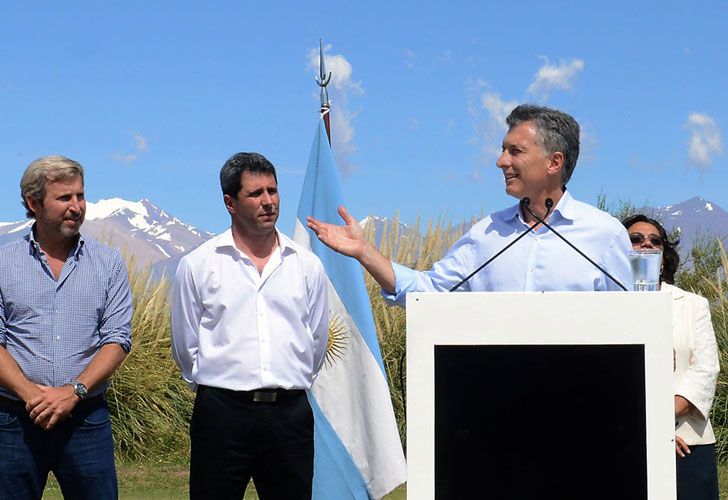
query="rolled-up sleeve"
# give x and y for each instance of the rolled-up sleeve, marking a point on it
(186, 315)
(115, 327)
(698, 383)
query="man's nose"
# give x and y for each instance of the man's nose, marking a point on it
(502, 160)
(75, 204)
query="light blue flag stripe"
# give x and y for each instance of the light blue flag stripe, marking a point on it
(336, 476)
(320, 197)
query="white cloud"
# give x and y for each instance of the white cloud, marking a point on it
(489, 111)
(551, 77)
(341, 88)
(142, 146)
(409, 59)
(705, 141)
(497, 108)
(141, 142)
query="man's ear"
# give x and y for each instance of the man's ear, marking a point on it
(229, 203)
(33, 204)
(556, 165)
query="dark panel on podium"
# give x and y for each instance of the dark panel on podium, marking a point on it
(540, 422)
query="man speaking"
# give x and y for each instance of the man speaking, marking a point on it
(539, 154)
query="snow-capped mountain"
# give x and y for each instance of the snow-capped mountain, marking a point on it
(154, 237)
(381, 225)
(139, 228)
(694, 218)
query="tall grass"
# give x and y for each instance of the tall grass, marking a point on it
(150, 402)
(706, 276)
(418, 252)
(152, 405)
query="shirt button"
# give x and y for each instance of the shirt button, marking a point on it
(58, 337)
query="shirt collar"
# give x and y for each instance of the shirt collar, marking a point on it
(226, 241)
(565, 209)
(35, 246)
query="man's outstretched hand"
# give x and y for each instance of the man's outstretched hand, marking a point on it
(347, 239)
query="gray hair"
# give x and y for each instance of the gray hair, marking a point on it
(556, 131)
(41, 172)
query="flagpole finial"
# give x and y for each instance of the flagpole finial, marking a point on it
(323, 78)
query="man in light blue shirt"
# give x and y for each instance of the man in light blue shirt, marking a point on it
(538, 156)
(65, 319)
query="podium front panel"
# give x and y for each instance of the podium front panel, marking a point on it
(540, 395)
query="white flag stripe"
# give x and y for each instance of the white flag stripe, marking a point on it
(342, 397)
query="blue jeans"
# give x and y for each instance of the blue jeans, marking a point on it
(79, 451)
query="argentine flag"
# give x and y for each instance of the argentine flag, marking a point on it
(358, 454)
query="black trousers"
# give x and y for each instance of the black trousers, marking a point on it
(697, 474)
(235, 438)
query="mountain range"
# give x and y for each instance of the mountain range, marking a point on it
(159, 239)
(139, 228)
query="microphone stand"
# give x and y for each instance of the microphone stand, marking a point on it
(524, 202)
(549, 204)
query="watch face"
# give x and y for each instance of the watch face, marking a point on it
(80, 390)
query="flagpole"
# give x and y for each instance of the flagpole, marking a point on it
(323, 80)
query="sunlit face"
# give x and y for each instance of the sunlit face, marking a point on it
(254, 210)
(645, 236)
(63, 208)
(525, 166)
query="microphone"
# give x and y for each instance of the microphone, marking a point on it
(525, 202)
(550, 203)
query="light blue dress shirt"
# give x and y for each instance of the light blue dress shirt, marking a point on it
(540, 261)
(54, 328)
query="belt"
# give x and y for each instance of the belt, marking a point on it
(271, 395)
(18, 405)
(261, 395)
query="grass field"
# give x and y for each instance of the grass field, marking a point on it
(169, 482)
(147, 481)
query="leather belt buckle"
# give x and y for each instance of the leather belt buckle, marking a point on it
(264, 397)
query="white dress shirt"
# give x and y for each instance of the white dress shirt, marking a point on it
(696, 363)
(238, 329)
(540, 261)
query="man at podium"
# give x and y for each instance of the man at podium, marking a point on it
(539, 154)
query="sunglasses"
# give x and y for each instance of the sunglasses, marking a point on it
(638, 239)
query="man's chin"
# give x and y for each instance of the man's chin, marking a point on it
(70, 232)
(516, 193)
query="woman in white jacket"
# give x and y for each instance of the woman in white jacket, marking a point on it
(696, 368)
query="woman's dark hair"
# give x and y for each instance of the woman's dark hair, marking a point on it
(670, 257)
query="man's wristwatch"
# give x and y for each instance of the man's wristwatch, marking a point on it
(79, 389)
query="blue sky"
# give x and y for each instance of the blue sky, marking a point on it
(152, 97)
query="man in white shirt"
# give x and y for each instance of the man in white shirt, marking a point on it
(538, 157)
(249, 329)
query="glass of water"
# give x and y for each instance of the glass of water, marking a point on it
(646, 265)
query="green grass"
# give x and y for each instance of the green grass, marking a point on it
(169, 482)
(143, 480)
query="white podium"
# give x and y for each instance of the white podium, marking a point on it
(559, 395)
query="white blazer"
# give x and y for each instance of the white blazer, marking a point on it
(696, 363)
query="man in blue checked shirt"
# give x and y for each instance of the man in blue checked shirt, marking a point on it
(65, 317)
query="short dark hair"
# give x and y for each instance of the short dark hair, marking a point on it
(670, 257)
(233, 169)
(557, 131)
